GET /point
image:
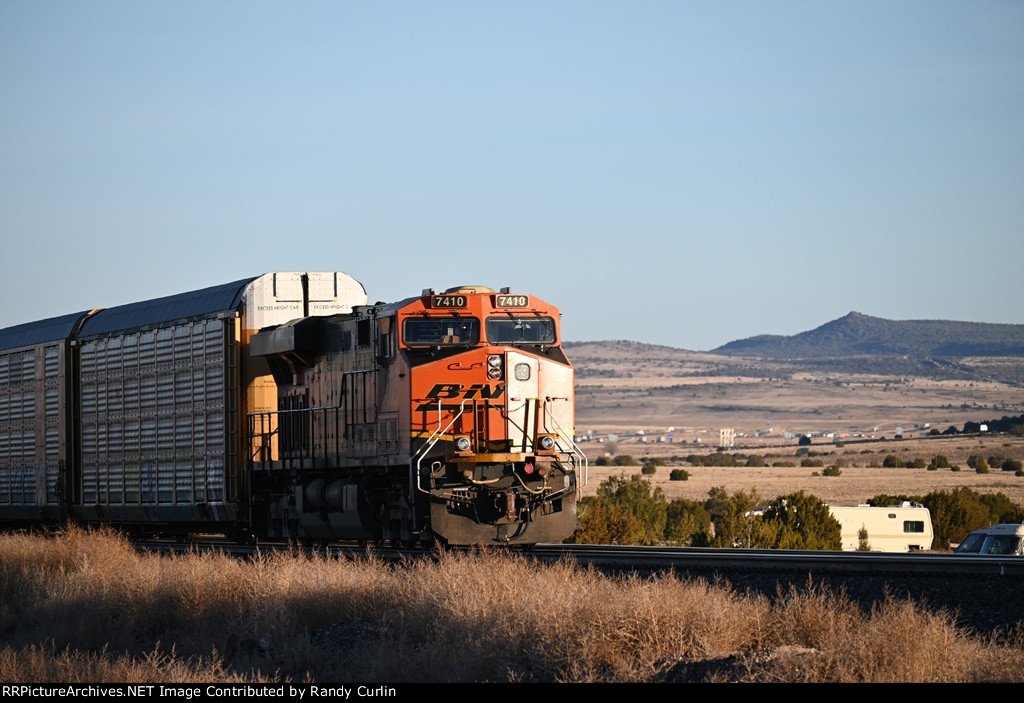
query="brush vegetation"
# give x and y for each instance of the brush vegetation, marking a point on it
(85, 607)
(631, 510)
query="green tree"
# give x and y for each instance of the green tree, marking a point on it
(716, 459)
(604, 522)
(688, 524)
(731, 516)
(883, 499)
(798, 521)
(635, 498)
(955, 515)
(863, 545)
(1001, 508)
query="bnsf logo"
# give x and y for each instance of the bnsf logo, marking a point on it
(455, 390)
(448, 391)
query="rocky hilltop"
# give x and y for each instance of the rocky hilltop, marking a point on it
(859, 334)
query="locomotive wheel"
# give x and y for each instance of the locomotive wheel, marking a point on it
(241, 536)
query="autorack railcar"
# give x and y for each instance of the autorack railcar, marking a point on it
(135, 415)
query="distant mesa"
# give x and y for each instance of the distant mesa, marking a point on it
(857, 334)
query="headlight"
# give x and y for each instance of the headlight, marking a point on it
(462, 444)
(546, 442)
(494, 367)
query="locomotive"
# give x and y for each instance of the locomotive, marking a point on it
(285, 407)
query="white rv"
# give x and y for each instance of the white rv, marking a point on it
(906, 527)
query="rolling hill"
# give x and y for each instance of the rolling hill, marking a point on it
(857, 334)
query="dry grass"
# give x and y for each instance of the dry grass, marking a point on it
(86, 607)
(822, 636)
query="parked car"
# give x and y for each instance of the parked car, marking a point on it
(997, 540)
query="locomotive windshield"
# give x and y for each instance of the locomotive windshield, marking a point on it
(520, 330)
(441, 331)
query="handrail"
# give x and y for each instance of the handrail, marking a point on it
(265, 426)
(575, 450)
(579, 458)
(264, 435)
(434, 439)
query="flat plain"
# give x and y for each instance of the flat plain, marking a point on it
(649, 401)
(862, 477)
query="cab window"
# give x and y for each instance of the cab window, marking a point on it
(520, 330)
(441, 331)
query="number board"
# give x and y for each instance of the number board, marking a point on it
(511, 301)
(449, 301)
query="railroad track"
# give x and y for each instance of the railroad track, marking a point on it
(684, 559)
(704, 559)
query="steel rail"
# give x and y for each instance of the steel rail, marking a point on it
(683, 559)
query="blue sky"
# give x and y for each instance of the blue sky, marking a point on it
(679, 173)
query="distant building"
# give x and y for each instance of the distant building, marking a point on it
(726, 437)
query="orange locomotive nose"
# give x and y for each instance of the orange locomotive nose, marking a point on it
(508, 388)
